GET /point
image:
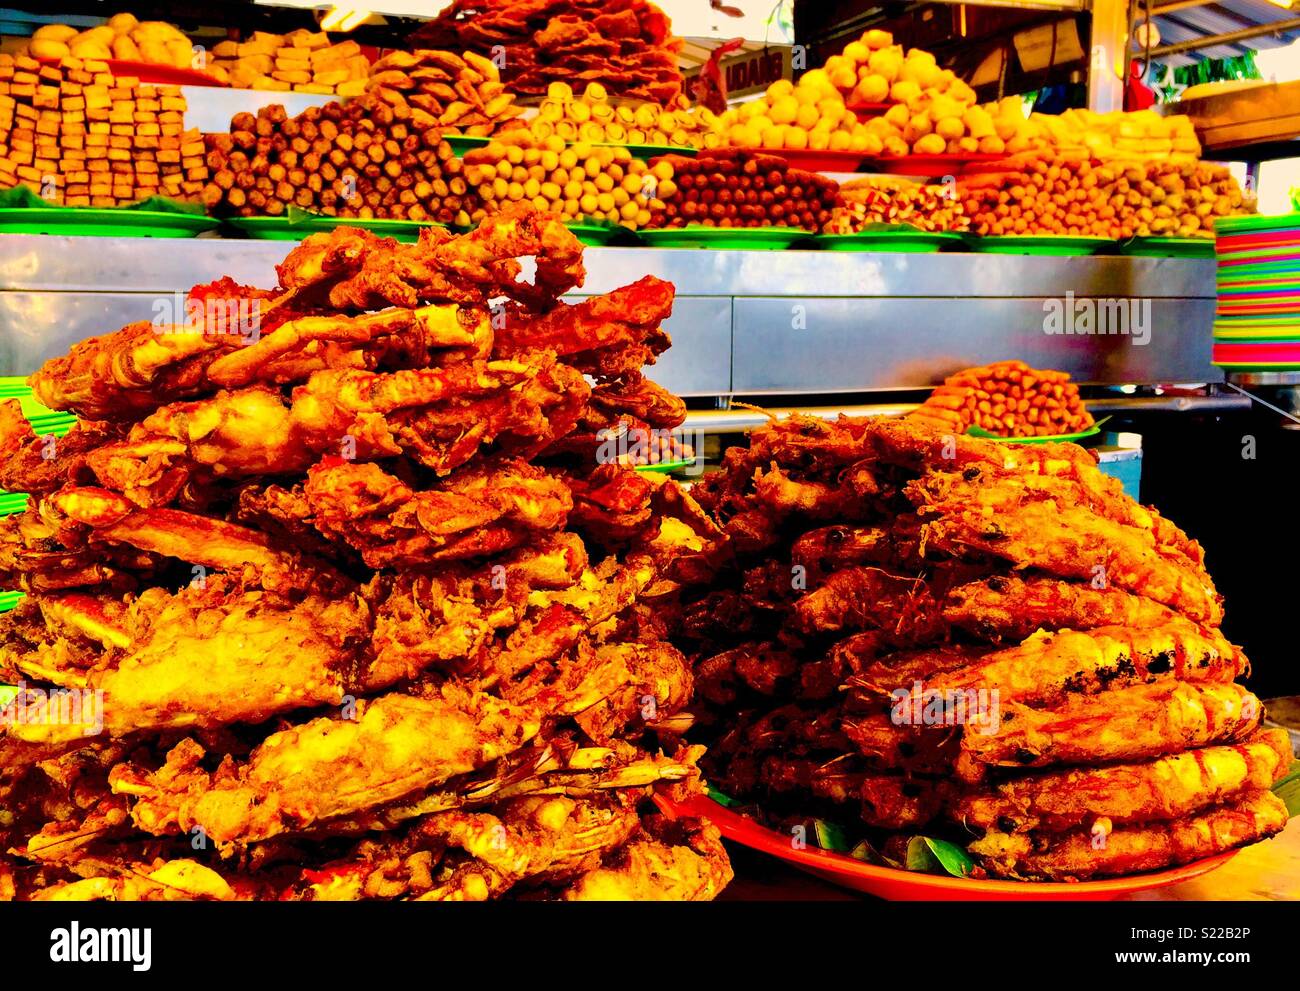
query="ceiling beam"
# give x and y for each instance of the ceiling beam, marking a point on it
(1210, 41)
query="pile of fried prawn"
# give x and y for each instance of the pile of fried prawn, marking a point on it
(922, 634)
(345, 607)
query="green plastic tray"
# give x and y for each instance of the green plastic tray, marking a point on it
(285, 229)
(1092, 431)
(1169, 247)
(666, 467)
(599, 235)
(724, 238)
(102, 222)
(882, 240)
(461, 143)
(1256, 224)
(643, 152)
(1040, 244)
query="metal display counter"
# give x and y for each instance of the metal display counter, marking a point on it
(746, 323)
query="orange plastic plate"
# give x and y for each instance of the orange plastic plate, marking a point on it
(897, 885)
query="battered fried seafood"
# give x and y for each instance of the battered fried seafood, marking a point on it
(346, 606)
(926, 632)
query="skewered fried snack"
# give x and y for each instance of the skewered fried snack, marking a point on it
(320, 608)
(919, 630)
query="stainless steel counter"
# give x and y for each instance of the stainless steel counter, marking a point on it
(745, 323)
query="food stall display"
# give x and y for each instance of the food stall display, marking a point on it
(489, 647)
(80, 136)
(398, 520)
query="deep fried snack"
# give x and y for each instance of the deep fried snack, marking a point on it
(1166, 788)
(1121, 724)
(1078, 855)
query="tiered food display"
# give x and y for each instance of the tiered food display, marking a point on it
(123, 36)
(579, 181)
(382, 154)
(304, 61)
(1007, 399)
(593, 117)
(625, 45)
(874, 200)
(914, 637)
(79, 136)
(383, 628)
(741, 188)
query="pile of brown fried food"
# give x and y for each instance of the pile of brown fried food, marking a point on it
(951, 638)
(625, 45)
(354, 595)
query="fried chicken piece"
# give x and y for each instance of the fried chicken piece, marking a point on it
(162, 881)
(903, 442)
(172, 666)
(1165, 788)
(355, 270)
(1006, 607)
(1049, 666)
(1079, 855)
(193, 538)
(452, 615)
(41, 465)
(302, 345)
(327, 768)
(683, 860)
(628, 317)
(123, 375)
(1124, 724)
(1070, 541)
(477, 512)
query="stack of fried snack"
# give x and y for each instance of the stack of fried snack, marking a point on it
(580, 181)
(343, 605)
(461, 93)
(594, 118)
(122, 36)
(375, 156)
(891, 200)
(736, 187)
(300, 60)
(79, 136)
(1008, 399)
(1091, 198)
(625, 45)
(933, 635)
